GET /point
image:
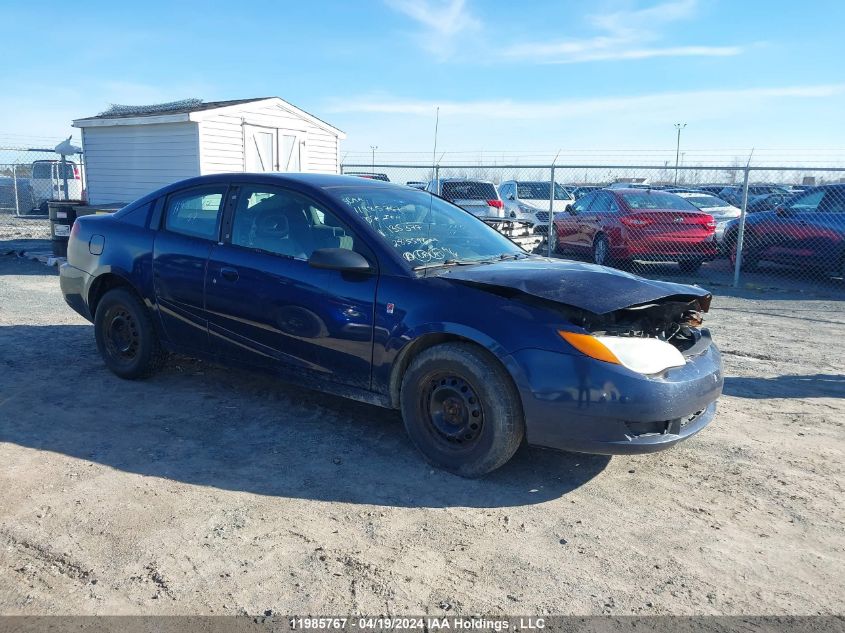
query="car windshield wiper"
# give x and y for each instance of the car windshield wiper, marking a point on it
(513, 255)
(452, 262)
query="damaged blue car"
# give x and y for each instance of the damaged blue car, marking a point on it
(394, 296)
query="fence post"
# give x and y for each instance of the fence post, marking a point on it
(15, 181)
(551, 209)
(740, 236)
(437, 179)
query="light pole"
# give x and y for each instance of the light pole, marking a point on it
(373, 164)
(679, 127)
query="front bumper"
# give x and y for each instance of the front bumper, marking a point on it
(579, 404)
(74, 283)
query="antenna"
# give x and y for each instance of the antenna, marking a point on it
(436, 125)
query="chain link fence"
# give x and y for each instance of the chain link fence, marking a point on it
(723, 224)
(29, 178)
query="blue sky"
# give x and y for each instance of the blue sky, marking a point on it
(520, 77)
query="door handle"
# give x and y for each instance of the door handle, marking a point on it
(229, 274)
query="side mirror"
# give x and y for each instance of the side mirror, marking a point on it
(511, 196)
(781, 210)
(571, 210)
(338, 259)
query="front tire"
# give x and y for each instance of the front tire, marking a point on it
(461, 409)
(126, 338)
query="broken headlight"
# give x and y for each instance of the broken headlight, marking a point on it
(642, 355)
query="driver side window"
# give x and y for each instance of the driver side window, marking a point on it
(808, 202)
(583, 204)
(285, 223)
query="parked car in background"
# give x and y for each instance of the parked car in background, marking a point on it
(369, 175)
(16, 194)
(479, 197)
(416, 184)
(621, 225)
(529, 200)
(721, 211)
(583, 190)
(807, 230)
(734, 193)
(47, 182)
(714, 190)
(395, 297)
(767, 201)
(629, 185)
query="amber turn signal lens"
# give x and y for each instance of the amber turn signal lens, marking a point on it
(589, 346)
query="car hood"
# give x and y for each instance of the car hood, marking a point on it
(597, 289)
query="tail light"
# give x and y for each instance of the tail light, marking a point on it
(75, 172)
(635, 220)
(495, 203)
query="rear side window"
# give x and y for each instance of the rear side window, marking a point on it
(137, 216)
(468, 190)
(195, 212)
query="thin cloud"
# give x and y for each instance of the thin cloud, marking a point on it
(701, 103)
(442, 22)
(623, 35)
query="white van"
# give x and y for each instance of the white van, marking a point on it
(48, 182)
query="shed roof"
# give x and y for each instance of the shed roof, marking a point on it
(191, 112)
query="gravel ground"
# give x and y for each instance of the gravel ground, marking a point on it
(213, 491)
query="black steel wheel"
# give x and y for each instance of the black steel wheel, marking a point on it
(452, 411)
(125, 335)
(461, 409)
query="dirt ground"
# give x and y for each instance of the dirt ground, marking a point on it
(206, 490)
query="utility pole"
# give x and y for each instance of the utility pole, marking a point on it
(679, 127)
(373, 163)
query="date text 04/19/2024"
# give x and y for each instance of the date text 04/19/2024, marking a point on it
(422, 623)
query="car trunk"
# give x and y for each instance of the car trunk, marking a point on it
(668, 231)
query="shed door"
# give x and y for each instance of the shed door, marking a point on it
(291, 150)
(260, 150)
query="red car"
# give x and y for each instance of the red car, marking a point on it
(621, 225)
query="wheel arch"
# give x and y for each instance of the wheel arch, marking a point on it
(428, 340)
(106, 281)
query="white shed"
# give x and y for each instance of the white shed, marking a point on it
(131, 151)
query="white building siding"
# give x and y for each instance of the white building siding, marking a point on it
(125, 162)
(222, 138)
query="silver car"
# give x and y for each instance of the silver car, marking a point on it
(479, 197)
(529, 200)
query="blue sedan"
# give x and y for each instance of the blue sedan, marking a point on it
(393, 296)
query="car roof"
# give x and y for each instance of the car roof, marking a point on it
(634, 190)
(488, 182)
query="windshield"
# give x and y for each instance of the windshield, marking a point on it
(468, 190)
(656, 200)
(706, 202)
(424, 229)
(539, 191)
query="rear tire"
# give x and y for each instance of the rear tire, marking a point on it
(690, 266)
(601, 251)
(461, 409)
(750, 262)
(126, 338)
